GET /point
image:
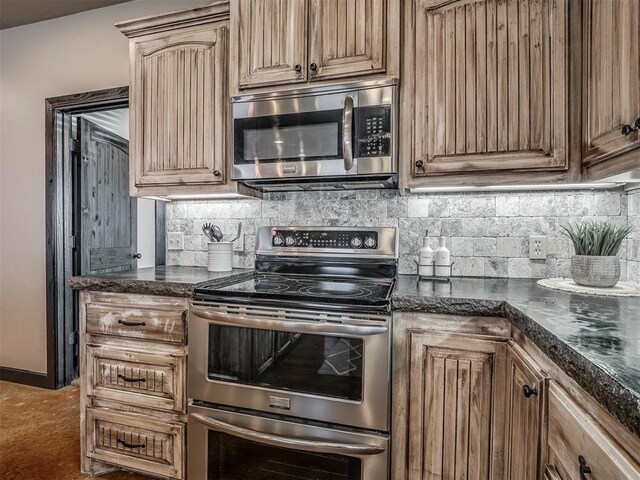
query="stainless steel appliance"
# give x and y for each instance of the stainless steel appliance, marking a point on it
(296, 358)
(337, 137)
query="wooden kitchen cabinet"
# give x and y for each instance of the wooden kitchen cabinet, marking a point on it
(179, 103)
(525, 415)
(484, 90)
(456, 401)
(133, 367)
(611, 87)
(271, 41)
(578, 447)
(282, 42)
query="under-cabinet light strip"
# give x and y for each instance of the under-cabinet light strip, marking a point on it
(517, 188)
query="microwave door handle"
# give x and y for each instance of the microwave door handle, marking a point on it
(290, 325)
(293, 443)
(347, 133)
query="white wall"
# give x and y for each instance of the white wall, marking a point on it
(67, 55)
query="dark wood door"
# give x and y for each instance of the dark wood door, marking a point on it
(107, 213)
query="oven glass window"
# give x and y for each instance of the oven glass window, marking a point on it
(305, 363)
(232, 458)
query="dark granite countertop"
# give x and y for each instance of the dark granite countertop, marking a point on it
(169, 281)
(595, 340)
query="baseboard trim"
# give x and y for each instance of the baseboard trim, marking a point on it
(25, 377)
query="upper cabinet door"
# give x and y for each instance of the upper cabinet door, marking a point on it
(272, 42)
(611, 85)
(347, 38)
(179, 107)
(490, 86)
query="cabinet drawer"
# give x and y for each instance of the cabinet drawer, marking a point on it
(135, 441)
(574, 435)
(135, 321)
(135, 377)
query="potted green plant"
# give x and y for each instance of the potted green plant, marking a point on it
(596, 244)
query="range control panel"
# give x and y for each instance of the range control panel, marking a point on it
(324, 239)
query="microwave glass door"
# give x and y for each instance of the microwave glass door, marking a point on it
(329, 366)
(233, 458)
(292, 137)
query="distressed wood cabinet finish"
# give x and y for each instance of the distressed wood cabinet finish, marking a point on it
(136, 377)
(284, 42)
(525, 400)
(485, 91)
(455, 393)
(574, 435)
(347, 37)
(133, 363)
(179, 103)
(165, 323)
(448, 392)
(136, 442)
(272, 41)
(611, 85)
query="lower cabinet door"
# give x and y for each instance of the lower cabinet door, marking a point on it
(579, 448)
(136, 441)
(456, 407)
(525, 395)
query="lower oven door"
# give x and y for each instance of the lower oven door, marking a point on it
(227, 445)
(323, 366)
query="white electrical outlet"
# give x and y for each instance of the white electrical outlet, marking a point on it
(238, 245)
(538, 248)
(175, 241)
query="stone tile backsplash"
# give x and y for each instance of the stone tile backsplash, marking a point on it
(488, 233)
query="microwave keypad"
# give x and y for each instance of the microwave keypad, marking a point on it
(374, 131)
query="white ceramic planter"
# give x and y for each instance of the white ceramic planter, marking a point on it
(595, 271)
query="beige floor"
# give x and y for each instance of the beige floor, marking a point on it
(40, 435)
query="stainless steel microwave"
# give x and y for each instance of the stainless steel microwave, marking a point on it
(341, 136)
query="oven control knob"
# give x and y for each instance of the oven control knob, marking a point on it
(370, 242)
(278, 240)
(356, 242)
(290, 241)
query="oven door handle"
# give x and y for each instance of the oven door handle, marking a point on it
(291, 326)
(347, 133)
(293, 443)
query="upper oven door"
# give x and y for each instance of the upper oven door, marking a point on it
(314, 134)
(291, 362)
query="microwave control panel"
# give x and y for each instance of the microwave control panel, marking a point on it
(322, 239)
(373, 131)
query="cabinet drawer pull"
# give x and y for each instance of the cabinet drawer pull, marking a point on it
(131, 324)
(131, 379)
(528, 391)
(131, 445)
(584, 468)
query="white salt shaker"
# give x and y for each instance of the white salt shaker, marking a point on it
(443, 259)
(425, 258)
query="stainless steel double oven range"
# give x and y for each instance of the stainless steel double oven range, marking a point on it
(289, 371)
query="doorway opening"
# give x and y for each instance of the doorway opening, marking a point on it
(93, 225)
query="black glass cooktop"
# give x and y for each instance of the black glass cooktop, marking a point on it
(304, 290)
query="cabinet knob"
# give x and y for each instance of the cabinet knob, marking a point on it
(528, 391)
(628, 129)
(313, 67)
(217, 173)
(298, 68)
(136, 256)
(584, 468)
(419, 163)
